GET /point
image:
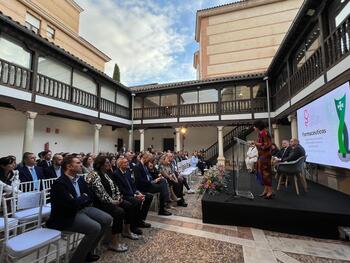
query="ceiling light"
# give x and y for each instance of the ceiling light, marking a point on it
(310, 12)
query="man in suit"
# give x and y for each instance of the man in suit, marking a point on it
(296, 152)
(283, 152)
(29, 171)
(130, 193)
(71, 211)
(46, 162)
(55, 170)
(145, 183)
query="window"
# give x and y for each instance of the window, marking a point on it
(14, 53)
(242, 92)
(54, 69)
(32, 23)
(308, 47)
(151, 101)
(138, 103)
(83, 82)
(50, 32)
(209, 95)
(108, 93)
(189, 97)
(228, 94)
(122, 99)
(169, 100)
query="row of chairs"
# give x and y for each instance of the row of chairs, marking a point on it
(21, 226)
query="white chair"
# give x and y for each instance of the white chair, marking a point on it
(46, 186)
(31, 186)
(27, 205)
(18, 244)
(11, 221)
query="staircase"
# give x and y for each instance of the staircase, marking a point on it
(211, 153)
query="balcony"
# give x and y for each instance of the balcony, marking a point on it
(336, 48)
(17, 77)
(202, 109)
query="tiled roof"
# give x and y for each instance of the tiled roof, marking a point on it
(9, 20)
(224, 5)
(156, 86)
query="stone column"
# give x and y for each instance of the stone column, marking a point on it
(142, 140)
(29, 131)
(293, 125)
(276, 135)
(96, 147)
(221, 157)
(130, 146)
(178, 139)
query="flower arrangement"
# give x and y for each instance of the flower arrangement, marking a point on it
(212, 181)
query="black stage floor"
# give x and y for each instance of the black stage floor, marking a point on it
(316, 213)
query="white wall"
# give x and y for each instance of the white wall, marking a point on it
(11, 132)
(73, 136)
(196, 138)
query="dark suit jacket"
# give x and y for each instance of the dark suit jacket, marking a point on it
(64, 202)
(141, 179)
(26, 176)
(44, 164)
(296, 152)
(284, 153)
(51, 173)
(122, 182)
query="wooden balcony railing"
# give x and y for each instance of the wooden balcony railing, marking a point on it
(237, 106)
(52, 88)
(199, 109)
(14, 76)
(337, 47)
(122, 111)
(337, 44)
(307, 73)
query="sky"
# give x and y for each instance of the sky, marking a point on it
(152, 41)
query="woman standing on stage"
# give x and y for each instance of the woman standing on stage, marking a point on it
(263, 169)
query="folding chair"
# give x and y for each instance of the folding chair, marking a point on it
(18, 244)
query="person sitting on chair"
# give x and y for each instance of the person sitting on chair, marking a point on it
(296, 152)
(283, 152)
(252, 157)
(71, 210)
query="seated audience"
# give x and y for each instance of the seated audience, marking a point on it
(113, 161)
(180, 178)
(108, 198)
(284, 151)
(296, 152)
(55, 170)
(127, 187)
(29, 171)
(46, 160)
(146, 184)
(71, 211)
(274, 149)
(201, 163)
(88, 163)
(177, 185)
(9, 177)
(252, 157)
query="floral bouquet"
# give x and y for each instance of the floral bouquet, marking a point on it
(212, 181)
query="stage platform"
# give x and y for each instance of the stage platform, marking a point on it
(316, 213)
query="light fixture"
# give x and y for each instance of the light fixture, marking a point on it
(310, 12)
(85, 69)
(183, 130)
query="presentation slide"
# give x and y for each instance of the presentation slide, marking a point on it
(323, 128)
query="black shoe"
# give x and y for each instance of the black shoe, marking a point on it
(92, 258)
(182, 203)
(136, 231)
(143, 224)
(164, 213)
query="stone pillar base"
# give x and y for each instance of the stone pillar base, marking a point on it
(221, 161)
